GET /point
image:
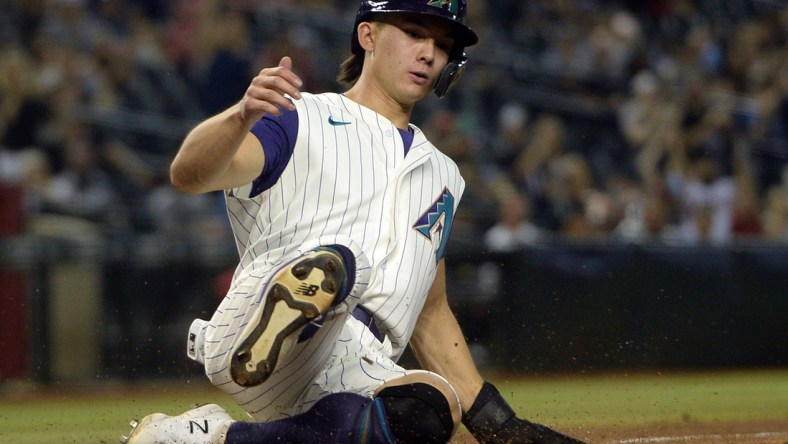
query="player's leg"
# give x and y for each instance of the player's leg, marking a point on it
(361, 391)
(373, 401)
(333, 418)
(420, 407)
(411, 405)
(264, 345)
(421, 404)
(299, 292)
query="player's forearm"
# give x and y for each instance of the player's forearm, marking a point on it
(208, 152)
(440, 346)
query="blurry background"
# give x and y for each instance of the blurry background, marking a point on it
(626, 166)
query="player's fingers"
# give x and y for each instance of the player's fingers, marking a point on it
(283, 84)
(261, 85)
(254, 108)
(269, 93)
(287, 64)
(283, 71)
(273, 88)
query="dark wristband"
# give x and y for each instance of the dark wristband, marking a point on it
(488, 412)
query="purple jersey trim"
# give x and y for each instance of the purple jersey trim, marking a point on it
(407, 138)
(278, 136)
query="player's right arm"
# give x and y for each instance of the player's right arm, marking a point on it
(220, 152)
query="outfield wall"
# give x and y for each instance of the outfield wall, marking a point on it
(600, 307)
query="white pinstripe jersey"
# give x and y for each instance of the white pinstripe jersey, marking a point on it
(349, 177)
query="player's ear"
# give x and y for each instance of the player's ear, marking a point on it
(366, 36)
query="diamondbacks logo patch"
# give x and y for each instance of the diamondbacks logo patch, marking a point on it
(435, 223)
(452, 5)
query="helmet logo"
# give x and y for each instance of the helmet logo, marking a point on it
(452, 4)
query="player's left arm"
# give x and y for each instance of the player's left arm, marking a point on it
(440, 346)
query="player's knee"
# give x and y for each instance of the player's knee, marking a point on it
(217, 371)
(201, 348)
(420, 408)
(216, 362)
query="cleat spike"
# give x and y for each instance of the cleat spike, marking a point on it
(243, 356)
(331, 266)
(311, 313)
(276, 294)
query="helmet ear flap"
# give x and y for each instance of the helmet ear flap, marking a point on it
(450, 74)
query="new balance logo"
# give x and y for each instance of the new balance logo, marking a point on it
(201, 427)
(307, 289)
(333, 122)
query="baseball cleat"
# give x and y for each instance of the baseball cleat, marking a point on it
(201, 425)
(298, 293)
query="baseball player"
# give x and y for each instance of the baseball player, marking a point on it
(341, 210)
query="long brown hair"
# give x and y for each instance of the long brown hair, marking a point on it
(350, 70)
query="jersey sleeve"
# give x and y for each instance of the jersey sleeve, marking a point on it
(277, 135)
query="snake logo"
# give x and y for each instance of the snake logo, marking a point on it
(452, 4)
(435, 223)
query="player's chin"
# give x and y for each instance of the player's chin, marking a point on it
(416, 92)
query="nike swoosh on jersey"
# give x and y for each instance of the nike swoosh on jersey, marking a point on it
(337, 122)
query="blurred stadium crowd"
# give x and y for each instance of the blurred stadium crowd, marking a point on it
(606, 121)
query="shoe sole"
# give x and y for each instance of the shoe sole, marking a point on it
(299, 293)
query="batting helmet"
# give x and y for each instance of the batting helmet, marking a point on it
(451, 10)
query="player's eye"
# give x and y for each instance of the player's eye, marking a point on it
(443, 46)
(413, 33)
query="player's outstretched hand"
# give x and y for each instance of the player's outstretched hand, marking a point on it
(492, 421)
(266, 93)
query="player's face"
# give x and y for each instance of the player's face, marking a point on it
(410, 53)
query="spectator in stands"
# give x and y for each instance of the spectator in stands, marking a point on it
(581, 209)
(649, 123)
(145, 59)
(195, 220)
(71, 23)
(513, 229)
(533, 168)
(83, 190)
(229, 61)
(711, 170)
(23, 111)
(648, 220)
(511, 136)
(706, 197)
(746, 221)
(775, 215)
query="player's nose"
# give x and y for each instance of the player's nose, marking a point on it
(427, 51)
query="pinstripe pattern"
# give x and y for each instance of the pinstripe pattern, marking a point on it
(348, 184)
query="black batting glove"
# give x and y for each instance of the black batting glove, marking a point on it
(492, 421)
